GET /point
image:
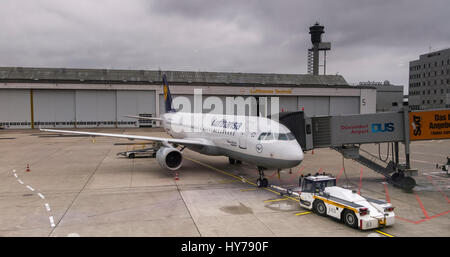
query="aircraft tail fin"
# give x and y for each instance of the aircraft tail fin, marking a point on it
(167, 95)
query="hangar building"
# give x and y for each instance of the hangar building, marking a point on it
(82, 98)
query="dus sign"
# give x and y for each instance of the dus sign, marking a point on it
(387, 127)
(429, 125)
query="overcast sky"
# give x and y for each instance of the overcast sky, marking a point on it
(370, 40)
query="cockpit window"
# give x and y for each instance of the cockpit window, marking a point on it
(282, 137)
(262, 136)
(277, 136)
(290, 136)
(269, 136)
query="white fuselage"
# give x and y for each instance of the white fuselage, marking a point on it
(256, 140)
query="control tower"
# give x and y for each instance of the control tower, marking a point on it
(316, 32)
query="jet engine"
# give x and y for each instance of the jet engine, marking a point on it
(169, 158)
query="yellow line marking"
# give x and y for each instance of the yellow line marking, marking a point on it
(276, 200)
(384, 233)
(227, 181)
(302, 213)
(248, 189)
(244, 180)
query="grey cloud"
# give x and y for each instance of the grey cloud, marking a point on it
(371, 40)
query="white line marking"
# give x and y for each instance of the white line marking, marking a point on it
(20, 181)
(32, 189)
(47, 207)
(15, 175)
(41, 195)
(52, 222)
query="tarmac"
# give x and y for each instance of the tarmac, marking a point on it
(77, 186)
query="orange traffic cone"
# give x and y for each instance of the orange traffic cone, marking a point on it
(28, 168)
(176, 176)
(312, 152)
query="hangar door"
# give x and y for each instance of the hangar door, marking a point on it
(54, 108)
(314, 105)
(137, 103)
(185, 103)
(344, 105)
(288, 104)
(95, 108)
(15, 108)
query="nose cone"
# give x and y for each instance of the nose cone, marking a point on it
(296, 153)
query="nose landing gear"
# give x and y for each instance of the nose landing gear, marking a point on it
(261, 181)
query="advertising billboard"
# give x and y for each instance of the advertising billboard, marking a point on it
(427, 125)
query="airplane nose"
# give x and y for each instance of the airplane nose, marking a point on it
(297, 152)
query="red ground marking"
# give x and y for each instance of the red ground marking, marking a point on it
(440, 214)
(360, 182)
(273, 174)
(407, 220)
(298, 172)
(388, 199)
(340, 173)
(421, 206)
(438, 188)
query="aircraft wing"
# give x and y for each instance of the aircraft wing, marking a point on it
(196, 141)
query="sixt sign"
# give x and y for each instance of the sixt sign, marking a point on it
(379, 127)
(427, 125)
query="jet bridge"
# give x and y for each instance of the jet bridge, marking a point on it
(346, 133)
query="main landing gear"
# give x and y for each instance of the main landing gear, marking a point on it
(261, 181)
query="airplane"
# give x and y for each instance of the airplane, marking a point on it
(268, 145)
